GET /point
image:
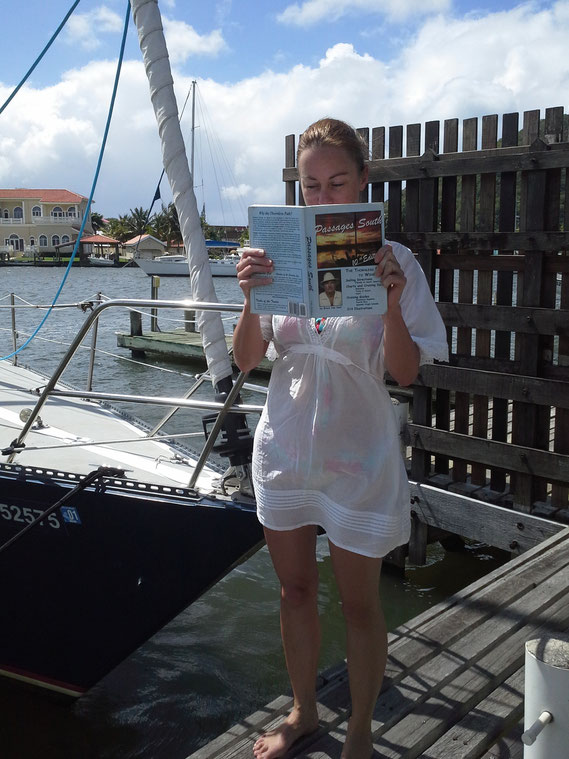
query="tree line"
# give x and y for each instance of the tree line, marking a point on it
(164, 225)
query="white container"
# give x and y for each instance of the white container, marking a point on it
(546, 713)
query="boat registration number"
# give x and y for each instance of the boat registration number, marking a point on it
(26, 514)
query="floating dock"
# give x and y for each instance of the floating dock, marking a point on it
(176, 344)
(454, 682)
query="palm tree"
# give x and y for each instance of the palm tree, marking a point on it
(138, 221)
(166, 226)
(97, 221)
(119, 228)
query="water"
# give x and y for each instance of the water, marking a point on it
(220, 659)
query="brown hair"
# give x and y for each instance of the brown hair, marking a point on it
(337, 134)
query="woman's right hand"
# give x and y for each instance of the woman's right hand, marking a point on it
(253, 261)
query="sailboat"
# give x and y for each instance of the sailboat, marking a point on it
(176, 264)
(108, 529)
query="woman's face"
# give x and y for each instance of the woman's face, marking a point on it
(330, 175)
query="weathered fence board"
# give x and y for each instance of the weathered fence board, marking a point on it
(483, 204)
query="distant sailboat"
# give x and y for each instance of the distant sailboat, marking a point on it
(176, 264)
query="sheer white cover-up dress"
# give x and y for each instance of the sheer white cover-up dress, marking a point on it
(326, 448)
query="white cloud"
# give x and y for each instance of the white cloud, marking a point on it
(222, 10)
(488, 64)
(240, 191)
(314, 11)
(85, 28)
(183, 41)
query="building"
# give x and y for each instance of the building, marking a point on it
(144, 246)
(39, 221)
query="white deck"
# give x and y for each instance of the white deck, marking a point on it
(69, 421)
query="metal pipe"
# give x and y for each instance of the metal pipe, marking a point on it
(93, 349)
(166, 418)
(530, 735)
(14, 333)
(210, 442)
(242, 408)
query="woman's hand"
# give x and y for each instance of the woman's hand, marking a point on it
(392, 277)
(253, 261)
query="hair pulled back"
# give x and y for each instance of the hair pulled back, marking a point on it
(336, 134)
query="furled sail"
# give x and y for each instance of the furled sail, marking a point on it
(148, 23)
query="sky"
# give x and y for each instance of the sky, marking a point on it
(264, 69)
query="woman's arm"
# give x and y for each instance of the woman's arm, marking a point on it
(249, 346)
(401, 354)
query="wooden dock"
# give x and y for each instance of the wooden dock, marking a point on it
(177, 344)
(455, 674)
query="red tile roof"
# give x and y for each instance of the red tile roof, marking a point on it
(44, 196)
(101, 240)
(140, 238)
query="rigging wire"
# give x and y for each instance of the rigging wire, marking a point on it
(157, 190)
(94, 184)
(41, 55)
(218, 157)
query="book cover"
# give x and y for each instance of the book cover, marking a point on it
(323, 259)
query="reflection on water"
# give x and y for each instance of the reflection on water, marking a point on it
(220, 659)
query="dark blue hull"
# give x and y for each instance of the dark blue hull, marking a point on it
(85, 588)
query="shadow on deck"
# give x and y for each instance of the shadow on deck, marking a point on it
(455, 675)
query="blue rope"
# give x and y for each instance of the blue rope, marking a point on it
(98, 169)
(41, 55)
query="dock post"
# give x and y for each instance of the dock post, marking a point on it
(190, 321)
(546, 713)
(136, 331)
(155, 284)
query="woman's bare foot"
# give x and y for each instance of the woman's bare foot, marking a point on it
(358, 744)
(278, 741)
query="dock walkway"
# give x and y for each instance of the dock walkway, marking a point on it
(455, 675)
(176, 344)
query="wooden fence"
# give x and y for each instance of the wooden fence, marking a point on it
(487, 219)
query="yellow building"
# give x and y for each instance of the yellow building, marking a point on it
(37, 221)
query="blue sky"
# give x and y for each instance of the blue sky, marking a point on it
(264, 69)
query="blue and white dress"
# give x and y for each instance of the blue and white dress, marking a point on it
(327, 446)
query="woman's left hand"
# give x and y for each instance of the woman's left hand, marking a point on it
(392, 277)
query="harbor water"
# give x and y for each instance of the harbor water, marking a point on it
(221, 658)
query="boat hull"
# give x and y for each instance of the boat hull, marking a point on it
(155, 267)
(87, 587)
(100, 262)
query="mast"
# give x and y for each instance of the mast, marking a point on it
(193, 128)
(157, 64)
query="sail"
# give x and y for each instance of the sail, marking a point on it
(148, 23)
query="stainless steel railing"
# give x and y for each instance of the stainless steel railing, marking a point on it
(91, 321)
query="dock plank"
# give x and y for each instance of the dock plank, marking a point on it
(454, 680)
(482, 727)
(177, 345)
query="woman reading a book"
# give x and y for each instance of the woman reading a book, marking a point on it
(327, 450)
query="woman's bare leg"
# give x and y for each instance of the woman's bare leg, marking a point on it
(358, 582)
(293, 553)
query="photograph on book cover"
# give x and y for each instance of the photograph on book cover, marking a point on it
(346, 244)
(347, 239)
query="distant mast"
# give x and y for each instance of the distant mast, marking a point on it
(193, 129)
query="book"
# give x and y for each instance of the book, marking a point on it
(323, 259)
